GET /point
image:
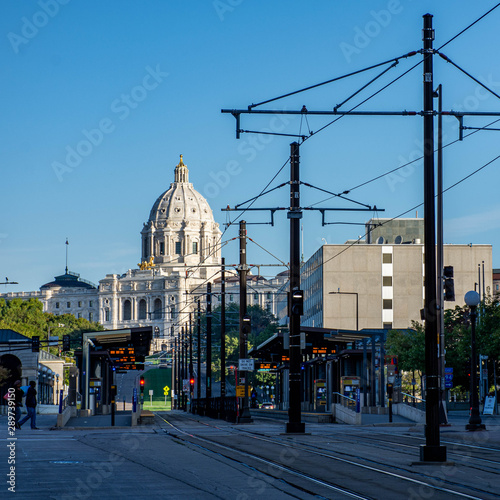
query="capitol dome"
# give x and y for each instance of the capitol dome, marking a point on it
(181, 227)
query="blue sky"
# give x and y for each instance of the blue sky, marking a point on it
(133, 87)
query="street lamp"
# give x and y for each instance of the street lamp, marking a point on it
(472, 299)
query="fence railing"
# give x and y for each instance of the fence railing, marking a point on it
(224, 408)
(343, 400)
(414, 401)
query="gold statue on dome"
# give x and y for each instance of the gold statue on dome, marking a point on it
(144, 265)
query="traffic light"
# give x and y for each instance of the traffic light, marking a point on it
(191, 385)
(66, 343)
(297, 302)
(141, 384)
(246, 326)
(35, 344)
(449, 285)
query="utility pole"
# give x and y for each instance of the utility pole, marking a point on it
(183, 368)
(431, 451)
(295, 297)
(191, 394)
(209, 344)
(223, 329)
(198, 377)
(176, 375)
(243, 270)
(443, 418)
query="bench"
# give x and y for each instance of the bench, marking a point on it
(147, 417)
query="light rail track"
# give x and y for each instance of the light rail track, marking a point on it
(416, 478)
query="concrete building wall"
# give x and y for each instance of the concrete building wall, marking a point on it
(386, 280)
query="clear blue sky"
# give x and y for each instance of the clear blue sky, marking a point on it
(153, 76)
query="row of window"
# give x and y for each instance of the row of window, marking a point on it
(178, 247)
(143, 312)
(80, 304)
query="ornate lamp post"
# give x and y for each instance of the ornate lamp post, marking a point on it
(472, 300)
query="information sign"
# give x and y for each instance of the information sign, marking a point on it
(246, 365)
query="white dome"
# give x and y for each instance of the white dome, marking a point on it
(181, 227)
(181, 201)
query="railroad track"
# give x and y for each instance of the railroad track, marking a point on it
(332, 466)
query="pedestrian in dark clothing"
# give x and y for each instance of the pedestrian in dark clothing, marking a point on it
(18, 401)
(30, 406)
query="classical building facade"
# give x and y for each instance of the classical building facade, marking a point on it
(180, 253)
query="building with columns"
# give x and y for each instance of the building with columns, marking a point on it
(180, 242)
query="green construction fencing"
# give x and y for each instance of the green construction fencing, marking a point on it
(159, 380)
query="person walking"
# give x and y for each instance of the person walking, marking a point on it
(30, 406)
(18, 401)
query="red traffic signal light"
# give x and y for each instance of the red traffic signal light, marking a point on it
(141, 383)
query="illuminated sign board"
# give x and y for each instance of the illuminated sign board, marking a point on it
(266, 366)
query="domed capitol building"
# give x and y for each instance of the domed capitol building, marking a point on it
(180, 248)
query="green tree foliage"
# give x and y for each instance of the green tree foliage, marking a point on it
(27, 317)
(263, 325)
(408, 346)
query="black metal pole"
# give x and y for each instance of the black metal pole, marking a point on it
(176, 376)
(223, 329)
(475, 418)
(191, 389)
(183, 366)
(209, 343)
(294, 424)
(443, 417)
(431, 451)
(198, 370)
(244, 416)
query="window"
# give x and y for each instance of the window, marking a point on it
(127, 310)
(387, 258)
(142, 309)
(195, 247)
(90, 303)
(162, 248)
(157, 309)
(79, 303)
(496, 288)
(68, 304)
(57, 303)
(387, 303)
(106, 315)
(387, 281)
(269, 295)
(178, 247)
(387, 326)
(256, 296)
(91, 317)
(230, 297)
(79, 315)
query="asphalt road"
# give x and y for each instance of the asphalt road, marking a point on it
(190, 457)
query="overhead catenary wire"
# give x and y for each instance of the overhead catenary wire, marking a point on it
(404, 213)
(476, 129)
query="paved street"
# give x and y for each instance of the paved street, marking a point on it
(185, 456)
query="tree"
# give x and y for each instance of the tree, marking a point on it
(263, 324)
(27, 318)
(408, 346)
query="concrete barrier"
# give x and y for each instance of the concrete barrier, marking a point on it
(344, 415)
(62, 418)
(409, 412)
